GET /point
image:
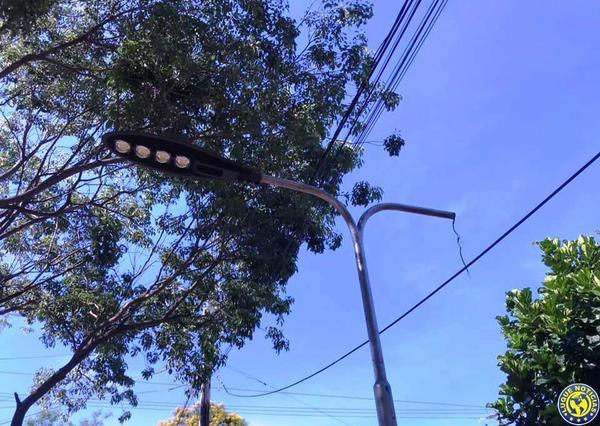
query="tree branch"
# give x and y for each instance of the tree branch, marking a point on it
(32, 57)
(27, 195)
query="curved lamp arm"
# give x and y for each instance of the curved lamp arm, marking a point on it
(317, 192)
(402, 208)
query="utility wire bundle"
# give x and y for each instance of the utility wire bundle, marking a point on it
(410, 29)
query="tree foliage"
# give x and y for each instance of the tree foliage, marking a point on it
(393, 144)
(190, 416)
(553, 340)
(115, 262)
(54, 418)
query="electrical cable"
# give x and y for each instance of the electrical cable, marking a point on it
(441, 286)
(8, 396)
(33, 357)
(379, 54)
(373, 85)
(402, 67)
(94, 402)
(249, 376)
(404, 63)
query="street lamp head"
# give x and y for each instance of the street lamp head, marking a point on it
(180, 158)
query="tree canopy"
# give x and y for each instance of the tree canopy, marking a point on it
(553, 340)
(53, 418)
(116, 262)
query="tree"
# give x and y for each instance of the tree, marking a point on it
(190, 416)
(115, 262)
(553, 340)
(54, 418)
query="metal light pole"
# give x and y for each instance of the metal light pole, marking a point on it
(205, 404)
(386, 413)
(189, 160)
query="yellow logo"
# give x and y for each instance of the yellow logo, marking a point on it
(578, 404)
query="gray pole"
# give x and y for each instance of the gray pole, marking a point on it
(386, 414)
(205, 404)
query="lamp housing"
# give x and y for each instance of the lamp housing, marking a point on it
(202, 163)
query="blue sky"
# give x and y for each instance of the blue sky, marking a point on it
(499, 107)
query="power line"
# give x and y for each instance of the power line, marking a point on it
(16, 373)
(95, 402)
(365, 398)
(365, 103)
(378, 56)
(444, 284)
(297, 412)
(345, 409)
(249, 376)
(33, 357)
(5, 422)
(310, 411)
(445, 405)
(402, 65)
(174, 405)
(368, 417)
(329, 411)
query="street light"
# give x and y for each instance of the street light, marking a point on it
(186, 159)
(176, 157)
